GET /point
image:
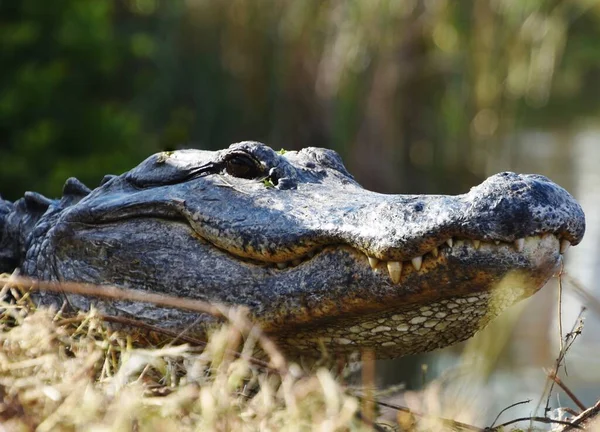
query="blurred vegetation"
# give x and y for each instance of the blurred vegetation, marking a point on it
(413, 93)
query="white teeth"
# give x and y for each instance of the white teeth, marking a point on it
(395, 269)
(564, 245)
(373, 262)
(520, 244)
(416, 262)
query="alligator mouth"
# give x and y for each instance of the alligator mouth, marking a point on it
(472, 247)
(397, 269)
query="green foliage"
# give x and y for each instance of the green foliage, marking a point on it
(89, 87)
(268, 183)
(65, 90)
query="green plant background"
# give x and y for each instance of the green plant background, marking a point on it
(415, 95)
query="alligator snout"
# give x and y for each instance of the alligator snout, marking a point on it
(506, 208)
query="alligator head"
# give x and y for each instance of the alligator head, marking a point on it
(316, 258)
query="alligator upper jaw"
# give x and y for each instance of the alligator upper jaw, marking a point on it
(287, 227)
(421, 250)
(396, 230)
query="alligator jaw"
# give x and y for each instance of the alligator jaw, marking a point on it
(335, 297)
(427, 261)
(458, 270)
(447, 300)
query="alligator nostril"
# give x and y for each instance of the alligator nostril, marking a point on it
(274, 175)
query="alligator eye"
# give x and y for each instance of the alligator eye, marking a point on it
(243, 166)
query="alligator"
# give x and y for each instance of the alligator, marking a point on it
(318, 260)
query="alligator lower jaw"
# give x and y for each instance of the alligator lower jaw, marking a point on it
(398, 269)
(448, 299)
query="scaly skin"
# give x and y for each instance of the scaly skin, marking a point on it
(316, 258)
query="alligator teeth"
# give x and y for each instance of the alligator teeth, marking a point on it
(449, 242)
(282, 265)
(520, 244)
(476, 244)
(564, 245)
(296, 262)
(373, 262)
(395, 269)
(435, 251)
(497, 242)
(416, 262)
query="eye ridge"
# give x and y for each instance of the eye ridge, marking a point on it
(243, 165)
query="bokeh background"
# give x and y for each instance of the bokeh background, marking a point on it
(418, 96)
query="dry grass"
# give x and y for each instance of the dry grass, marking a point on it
(74, 373)
(77, 374)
